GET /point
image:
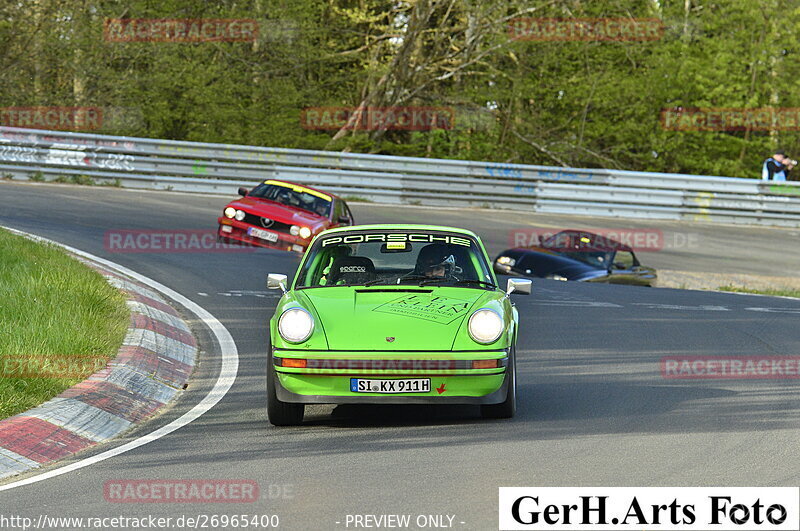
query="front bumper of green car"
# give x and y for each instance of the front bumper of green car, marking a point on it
(327, 377)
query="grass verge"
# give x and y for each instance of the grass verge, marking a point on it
(59, 322)
(773, 292)
(82, 180)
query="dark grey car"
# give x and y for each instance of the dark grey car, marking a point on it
(577, 255)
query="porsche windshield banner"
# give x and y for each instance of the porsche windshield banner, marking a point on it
(396, 237)
(654, 508)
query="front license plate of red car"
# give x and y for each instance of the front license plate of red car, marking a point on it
(408, 385)
(263, 234)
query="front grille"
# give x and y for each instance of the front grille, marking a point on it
(276, 226)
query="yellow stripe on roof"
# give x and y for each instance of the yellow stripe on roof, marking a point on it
(299, 189)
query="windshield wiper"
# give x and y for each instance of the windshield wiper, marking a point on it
(394, 281)
(430, 280)
(465, 281)
(373, 282)
(481, 282)
(412, 277)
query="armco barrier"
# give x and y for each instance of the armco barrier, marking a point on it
(220, 168)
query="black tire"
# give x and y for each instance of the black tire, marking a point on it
(507, 408)
(281, 413)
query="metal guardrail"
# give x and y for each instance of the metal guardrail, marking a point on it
(221, 168)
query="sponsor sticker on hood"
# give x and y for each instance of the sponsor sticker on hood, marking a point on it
(443, 310)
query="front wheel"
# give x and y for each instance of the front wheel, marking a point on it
(507, 408)
(280, 413)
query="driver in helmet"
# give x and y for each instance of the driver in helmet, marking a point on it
(435, 261)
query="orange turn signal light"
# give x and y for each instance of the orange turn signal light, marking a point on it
(484, 364)
(294, 363)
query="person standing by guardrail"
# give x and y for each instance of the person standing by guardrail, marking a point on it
(777, 167)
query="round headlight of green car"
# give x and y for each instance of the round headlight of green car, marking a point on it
(295, 325)
(485, 326)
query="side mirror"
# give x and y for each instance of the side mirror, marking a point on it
(522, 286)
(243, 191)
(277, 281)
(344, 219)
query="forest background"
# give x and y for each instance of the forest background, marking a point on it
(564, 102)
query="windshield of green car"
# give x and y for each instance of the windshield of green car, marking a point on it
(392, 258)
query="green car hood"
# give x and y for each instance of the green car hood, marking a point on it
(380, 318)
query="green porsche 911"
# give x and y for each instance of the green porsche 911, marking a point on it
(393, 314)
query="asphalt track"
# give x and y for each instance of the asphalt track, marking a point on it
(594, 409)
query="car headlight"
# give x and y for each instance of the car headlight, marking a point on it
(506, 260)
(295, 325)
(303, 232)
(229, 212)
(557, 277)
(485, 326)
(240, 215)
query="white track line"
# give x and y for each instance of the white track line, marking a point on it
(227, 375)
